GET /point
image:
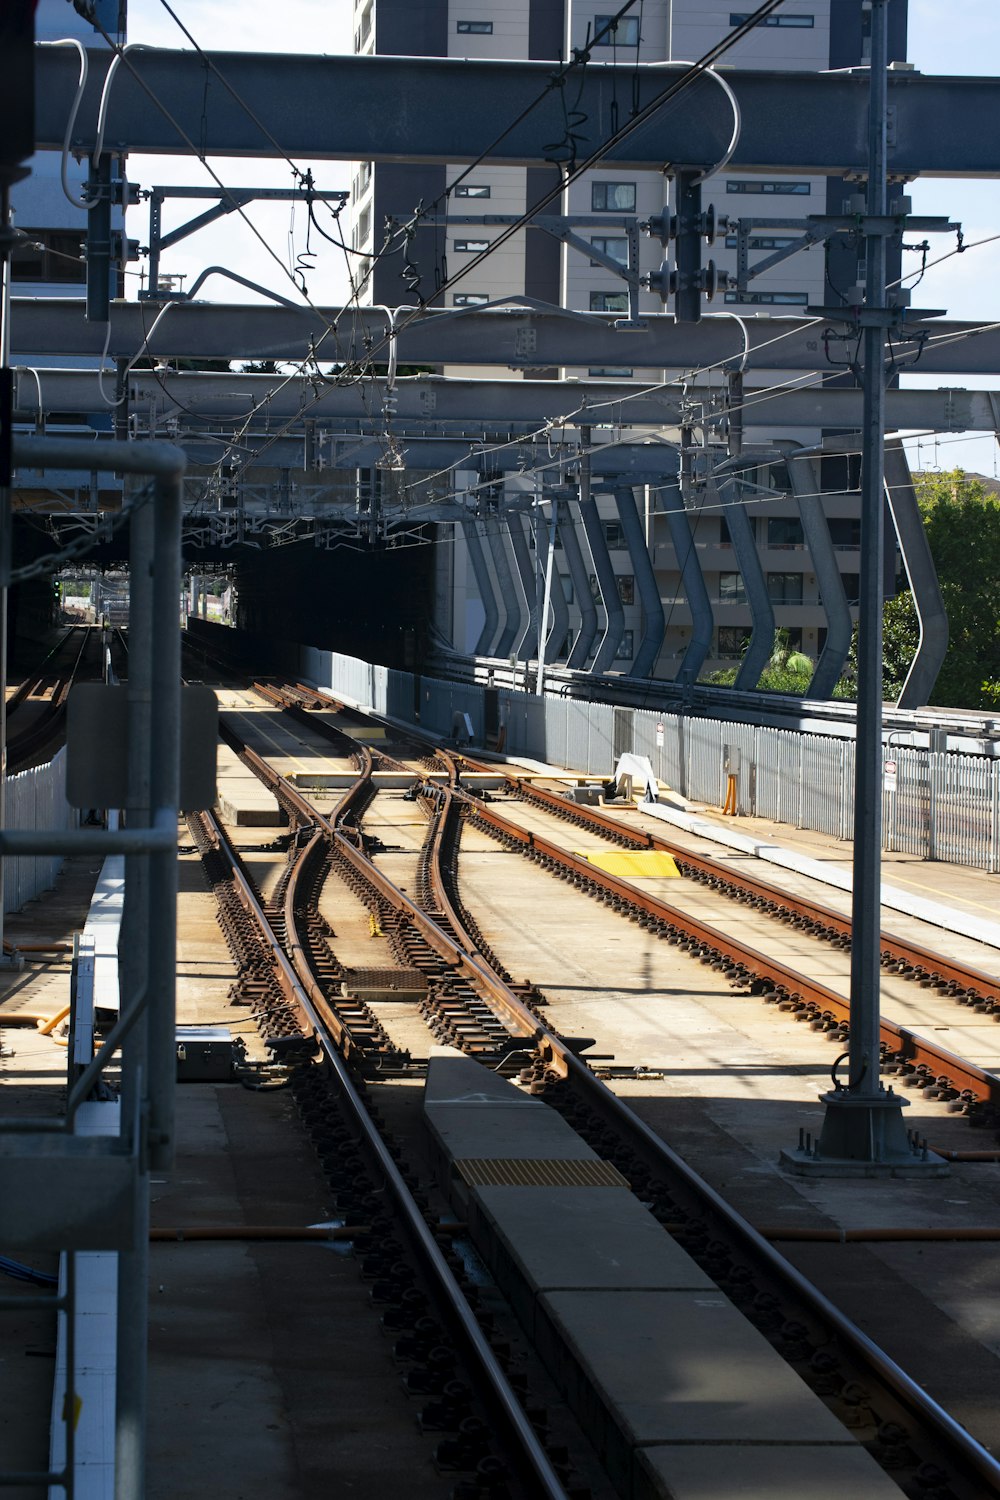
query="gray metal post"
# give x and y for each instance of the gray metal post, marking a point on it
(863, 1129)
(133, 1267)
(6, 557)
(164, 798)
(550, 553)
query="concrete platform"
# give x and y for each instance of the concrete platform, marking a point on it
(242, 799)
(650, 1367)
(474, 1113)
(576, 1239)
(645, 1349)
(806, 1472)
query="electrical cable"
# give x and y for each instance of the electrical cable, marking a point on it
(71, 41)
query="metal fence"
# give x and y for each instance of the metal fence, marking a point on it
(935, 805)
(35, 799)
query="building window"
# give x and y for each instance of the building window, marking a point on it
(364, 226)
(784, 532)
(626, 589)
(625, 650)
(614, 535)
(567, 587)
(732, 641)
(784, 588)
(764, 241)
(731, 589)
(624, 33)
(595, 589)
(364, 30)
(784, 188)
(472, 190)
(469, 299)
(770, 299)
(474, 28)
(845, 533)
(49, 255)
(610, 372)
(613, 246)
(471, 247)
(609, 301)
(800, 23)
(612, 197)
(852, 587)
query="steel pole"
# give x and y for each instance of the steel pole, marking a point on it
(863, 1132)
(864, 1079)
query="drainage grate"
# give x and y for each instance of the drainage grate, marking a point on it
(385, 983)
(501, 1171)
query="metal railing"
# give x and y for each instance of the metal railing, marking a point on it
(937, 805)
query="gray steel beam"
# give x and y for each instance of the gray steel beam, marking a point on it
(920, 570)
(693, 580)
(558, 611)
(653, 620)
(518, 338)
(425, 402)
(608, 584)
(804, 476)
(447, 110)
(509, 600)
(761, 643)
(524, 560)
(484, 583)
(584, 643)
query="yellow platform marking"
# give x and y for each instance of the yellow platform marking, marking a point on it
(636, 864)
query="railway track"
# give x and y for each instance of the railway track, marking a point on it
(915, 1060)
(467, 998)
(36, 712)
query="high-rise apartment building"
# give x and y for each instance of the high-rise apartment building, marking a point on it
(802, 35)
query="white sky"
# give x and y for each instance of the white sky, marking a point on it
(943, 39)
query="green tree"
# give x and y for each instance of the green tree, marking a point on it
(962, 519)
(900, 638)
(787, 671)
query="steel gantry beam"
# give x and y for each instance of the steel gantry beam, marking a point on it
(520, 337)
(447, 110)
(429, 406)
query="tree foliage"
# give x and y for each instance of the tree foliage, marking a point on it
(962, 519)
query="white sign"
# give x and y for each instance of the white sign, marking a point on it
(659, 736)
(889, 775)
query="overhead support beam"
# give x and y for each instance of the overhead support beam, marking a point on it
(654, 622)
(923, 579)
(422, 400)
(761, 643)
(445, 110)
(569, 532)
(484, 583)
(693, 582)
(518, 338)
(525, 563)
(804, 476)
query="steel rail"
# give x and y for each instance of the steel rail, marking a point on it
(784, 983)
(908, 1048)
(925, 962)
(650, 1146)
(47, 724)
(499, 1394)
(925, 1412)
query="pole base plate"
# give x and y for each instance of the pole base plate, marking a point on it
(864, 1136)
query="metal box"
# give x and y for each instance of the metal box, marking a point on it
(206, 1054)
